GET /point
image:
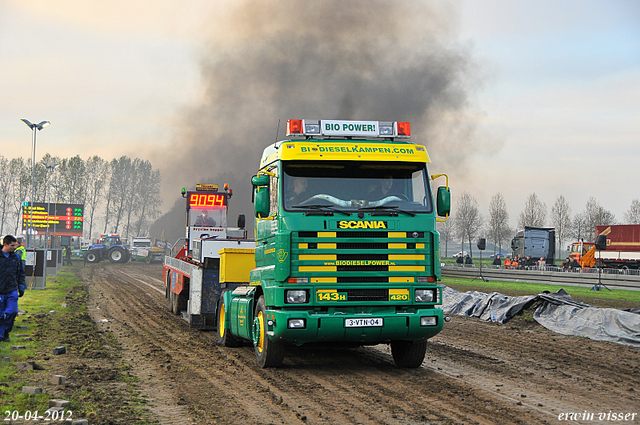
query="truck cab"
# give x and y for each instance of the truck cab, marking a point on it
(535, 242)
(346, 247)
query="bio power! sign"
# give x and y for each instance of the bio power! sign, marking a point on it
(349, 128)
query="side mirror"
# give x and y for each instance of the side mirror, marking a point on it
(443, 203)
(261, 180)
(241, 221)
(260, 195)
(261, 203)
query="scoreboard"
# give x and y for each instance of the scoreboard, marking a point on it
(60, 219)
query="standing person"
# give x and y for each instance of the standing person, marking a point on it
(542, 264)
(459, 260)
(467, 260)
(12, 285)
(21, 251)
(67, 256)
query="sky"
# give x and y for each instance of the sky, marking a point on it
(513, 97)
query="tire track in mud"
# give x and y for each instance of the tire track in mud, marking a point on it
(355, 402)
(187, 359)
(555, 372)
(465, 367)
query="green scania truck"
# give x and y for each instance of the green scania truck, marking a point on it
(346, 248)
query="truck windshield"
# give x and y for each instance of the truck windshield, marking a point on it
(352, 185)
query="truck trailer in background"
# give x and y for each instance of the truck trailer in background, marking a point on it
(622, 248)
(535, 242)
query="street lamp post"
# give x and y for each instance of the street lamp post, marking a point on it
(33, 127)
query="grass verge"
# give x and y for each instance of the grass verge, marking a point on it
(98, 384)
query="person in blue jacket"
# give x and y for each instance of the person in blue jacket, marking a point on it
(12, 285)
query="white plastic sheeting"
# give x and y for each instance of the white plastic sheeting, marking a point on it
(557, 312)
(495, 307)
(560, 313)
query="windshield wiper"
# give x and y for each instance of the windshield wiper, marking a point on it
(322, 208)
(392, 208)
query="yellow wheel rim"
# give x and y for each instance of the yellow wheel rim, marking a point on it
(221, 321)
(261, 330)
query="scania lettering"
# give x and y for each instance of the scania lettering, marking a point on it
(346, 248)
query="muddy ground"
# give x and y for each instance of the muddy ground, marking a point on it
(474, 373)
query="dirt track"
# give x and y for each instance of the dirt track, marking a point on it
(474, 373)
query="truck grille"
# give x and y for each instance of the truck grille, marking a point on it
(362, 257)
(367, 294)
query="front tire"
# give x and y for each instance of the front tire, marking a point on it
(224, 336)
(268, 353)
(117, 255)
(92, 257)
(408, 354)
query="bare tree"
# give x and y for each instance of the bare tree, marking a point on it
(632, 216)
(561, 220)
(6, 182)
(534, 213)
(468, 219)
(21, 187)
(147, 195)
(595, 215)
(119, 184)
(578, 226)
(445, 228)
(498, 227)
(72, 180)
(95, 180)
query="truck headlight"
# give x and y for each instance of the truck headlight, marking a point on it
(426, 295)
(295, 296)
(296, 324)
(428, 321)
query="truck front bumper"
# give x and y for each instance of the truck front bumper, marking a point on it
(377, 325)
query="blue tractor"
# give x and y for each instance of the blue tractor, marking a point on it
(109, 247)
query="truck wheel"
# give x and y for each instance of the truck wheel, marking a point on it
(91, 257)
(147, 260)
(168, 295)
(408, 353)
(224, 336)
(173, 301)
(268, 353)
(117, 255)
